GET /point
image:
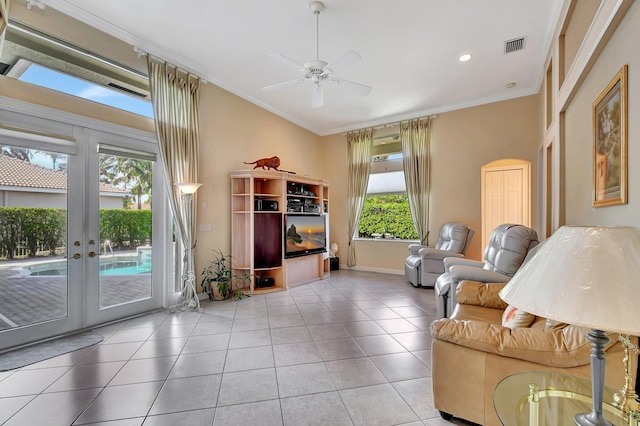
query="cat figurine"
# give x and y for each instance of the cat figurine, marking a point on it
(266, 163)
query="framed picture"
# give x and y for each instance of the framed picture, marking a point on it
(610, 143)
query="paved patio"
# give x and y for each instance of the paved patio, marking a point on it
(27, 299)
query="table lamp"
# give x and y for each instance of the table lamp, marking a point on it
(587, 276)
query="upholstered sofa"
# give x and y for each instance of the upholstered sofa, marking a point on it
(472, 352)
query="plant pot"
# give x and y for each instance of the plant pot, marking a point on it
(217, 294)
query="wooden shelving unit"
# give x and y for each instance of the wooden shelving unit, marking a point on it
(257, 244)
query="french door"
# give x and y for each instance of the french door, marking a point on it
(80, 244)
(121, 257)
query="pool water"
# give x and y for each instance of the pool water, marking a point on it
(116, 265)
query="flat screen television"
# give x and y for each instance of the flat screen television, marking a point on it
(304, 234)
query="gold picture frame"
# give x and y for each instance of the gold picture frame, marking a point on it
(610, 143)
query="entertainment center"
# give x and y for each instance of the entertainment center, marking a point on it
(279, 228)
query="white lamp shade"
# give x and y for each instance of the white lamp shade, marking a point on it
(583, 275)
(188, 188)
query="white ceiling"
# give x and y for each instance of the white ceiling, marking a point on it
(409, 50)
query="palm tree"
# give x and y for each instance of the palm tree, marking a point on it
(54, 158)
(127, 173)
(23, 154)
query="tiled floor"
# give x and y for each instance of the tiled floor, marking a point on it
(353, 349)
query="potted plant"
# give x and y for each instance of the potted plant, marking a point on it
(219, 280)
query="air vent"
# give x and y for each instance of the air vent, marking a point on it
(124, 89)
(514, 45)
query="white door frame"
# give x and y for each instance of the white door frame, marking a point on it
(38, 127)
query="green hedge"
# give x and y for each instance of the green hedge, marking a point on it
(125, 228)
(387, 214)
(31, 227)
(44, 229)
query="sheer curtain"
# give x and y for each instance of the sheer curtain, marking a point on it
(176, 101)
(360, 146)
(415, 136)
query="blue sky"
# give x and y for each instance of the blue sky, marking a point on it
(45, 77)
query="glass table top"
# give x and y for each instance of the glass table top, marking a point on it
(559, 397)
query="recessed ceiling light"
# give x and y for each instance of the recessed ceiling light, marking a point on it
(510, 85)
(465, 57)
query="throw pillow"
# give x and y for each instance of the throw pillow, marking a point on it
(516, 318)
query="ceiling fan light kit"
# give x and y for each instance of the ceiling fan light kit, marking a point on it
(317, 71)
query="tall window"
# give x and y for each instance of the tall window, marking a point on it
(386, 214)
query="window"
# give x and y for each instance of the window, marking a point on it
(70, 85)
(386, 214)
(35, 57)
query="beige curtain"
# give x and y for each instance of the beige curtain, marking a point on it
(360, 147)
(176, 101)
(415, 137)
(4, 19)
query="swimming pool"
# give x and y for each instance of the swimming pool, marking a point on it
(112, 265)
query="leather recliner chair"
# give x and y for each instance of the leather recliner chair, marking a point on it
(507, 250)
(424, 264)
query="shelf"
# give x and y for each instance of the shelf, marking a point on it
(268, 269)
(267, 290)
(251, 229)
(303, 214)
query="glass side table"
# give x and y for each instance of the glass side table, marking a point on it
(546, 398)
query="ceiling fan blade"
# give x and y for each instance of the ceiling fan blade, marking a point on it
(351, 86)
(344, 61)
(282, 85)
(290, 63)
(317, 96)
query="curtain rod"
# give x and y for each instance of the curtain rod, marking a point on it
(395, 123)
(141, 52)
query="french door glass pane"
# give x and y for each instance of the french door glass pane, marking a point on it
(125, 230)
(33, 237)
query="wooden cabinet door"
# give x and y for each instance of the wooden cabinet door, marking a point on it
(267, 240)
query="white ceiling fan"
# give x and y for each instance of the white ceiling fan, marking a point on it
(318, 71)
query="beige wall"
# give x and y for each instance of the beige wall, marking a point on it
(578, 139)
(462, 141)
(233, 131)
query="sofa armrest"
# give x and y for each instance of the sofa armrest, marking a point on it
(435, 254)
(564, 348)
(453, 261)
(480, 294)
(460, 272)
(414, 249)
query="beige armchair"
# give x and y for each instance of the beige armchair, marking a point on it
(424, 264)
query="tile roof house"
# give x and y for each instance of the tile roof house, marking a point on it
(25, 184)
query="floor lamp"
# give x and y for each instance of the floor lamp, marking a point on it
(188, 300)
(587, 276)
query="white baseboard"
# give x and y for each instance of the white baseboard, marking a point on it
(371, 269)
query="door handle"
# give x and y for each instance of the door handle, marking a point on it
(77, 256)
